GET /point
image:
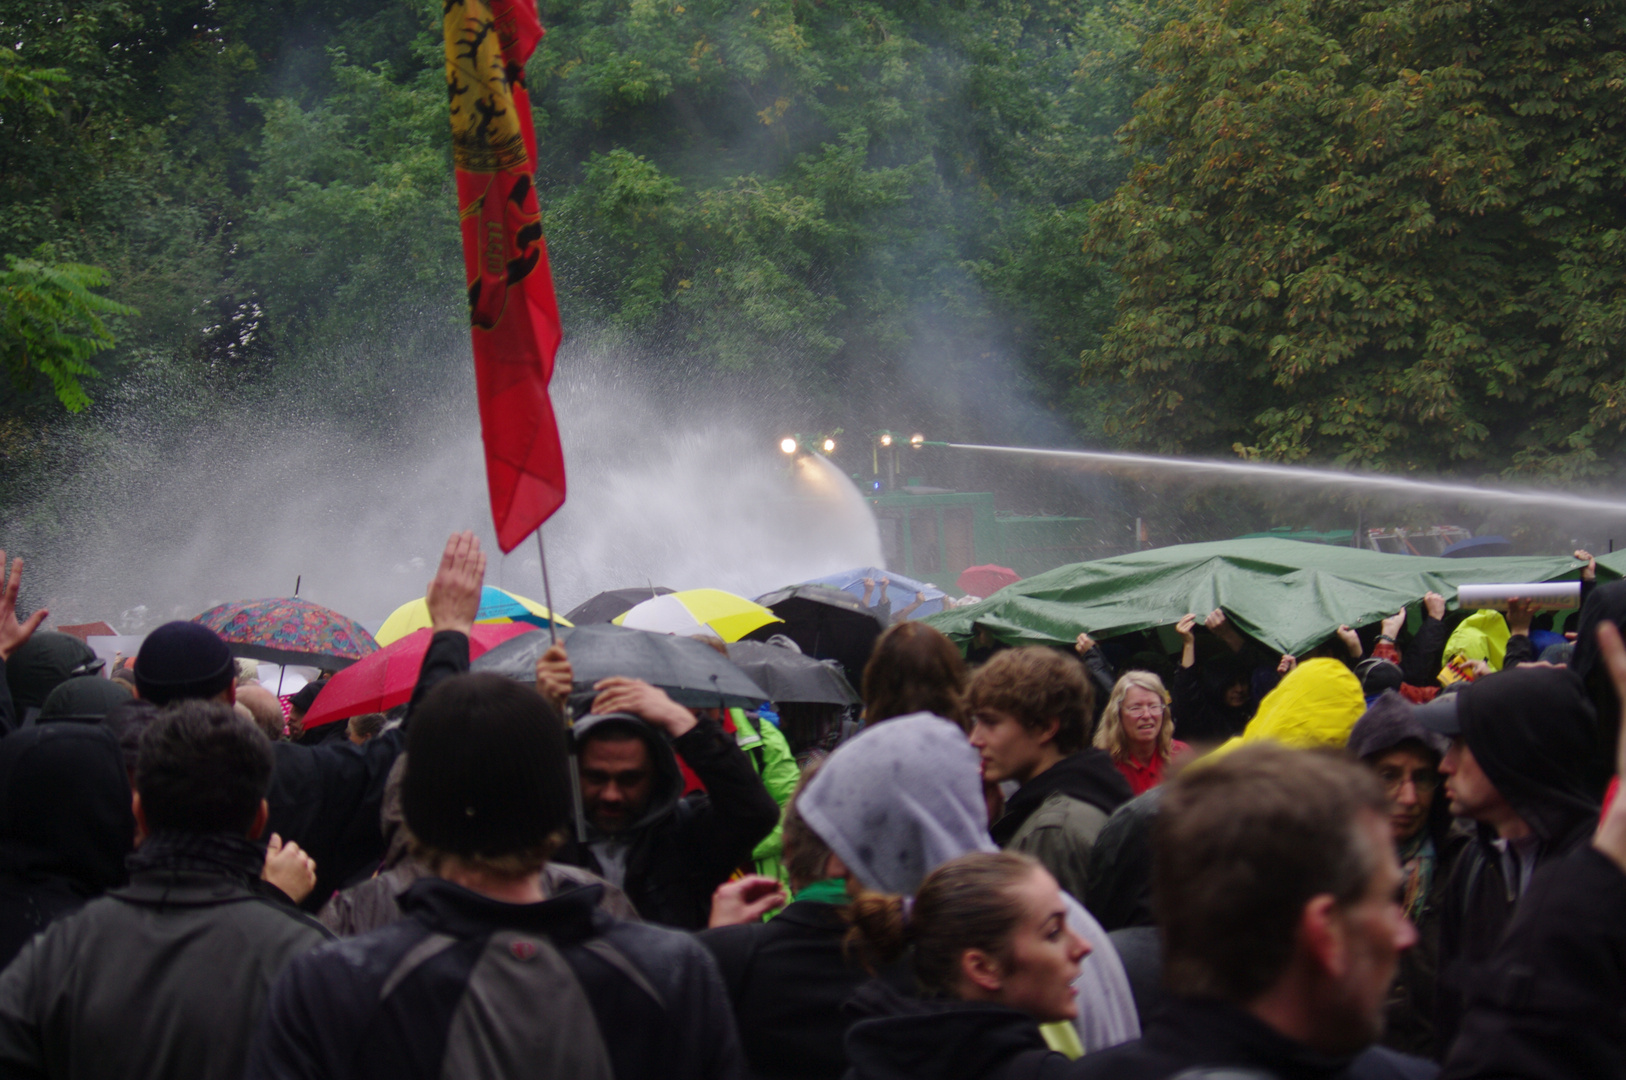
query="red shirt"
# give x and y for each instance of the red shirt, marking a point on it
(1146, 777)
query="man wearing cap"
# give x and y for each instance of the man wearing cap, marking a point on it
(488, 975)
(1521, 742)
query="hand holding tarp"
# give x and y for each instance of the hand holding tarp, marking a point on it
(12, 632)
(1519, 615)
(1084, 644)
(1434, 605)
(1591, 571)
(453, 597)
(1390, 627)
(1610, 838)
(1351, 640)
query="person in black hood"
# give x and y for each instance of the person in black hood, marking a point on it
(993, 956)
(1521, 741)
(65, 826)
(1406, 757)
(1606, 603)
(85, 698)
(1031, 716)
(1120, 888)
(41, 664)
(667, 851)
(1215, 700)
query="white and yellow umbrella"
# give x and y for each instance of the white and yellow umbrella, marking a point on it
(698, 611)
(496, 606)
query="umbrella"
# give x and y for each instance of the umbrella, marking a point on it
(790, 677)
(900, 591)
(698, 611)
(497, 606)
(607, 605)
(696, 675)
(290, 631)
(986, 580)
(828, 624)
(386, 678)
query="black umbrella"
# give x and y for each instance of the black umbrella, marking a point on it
(791, 677)
(692, 672)
(827, 623)
(607, 605)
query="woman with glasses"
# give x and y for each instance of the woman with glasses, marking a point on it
(1406, 758)
(1137, 729)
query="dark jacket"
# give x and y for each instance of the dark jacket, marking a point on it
(1553, 1005)
(787, 979)
(1425, 653)
(1599, 603)
(685, 846)
(1120, 870)
(1530, 730)
(166, 976)
(327, 798)
(908, 1038)
(1056, 816)
(1198, 695)
(469, 986)
(1187, 1034)
(1409, 1017)
(65, 825)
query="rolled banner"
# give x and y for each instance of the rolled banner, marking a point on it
(1547, 595)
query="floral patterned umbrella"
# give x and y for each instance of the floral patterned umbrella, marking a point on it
(290, 631)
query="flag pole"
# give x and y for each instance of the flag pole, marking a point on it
(580, 816)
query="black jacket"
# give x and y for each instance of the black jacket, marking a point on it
(1120, 872)
(1089, 776)
(1531, 731)
(469, 986)
(1553, 1003)
(684, 847)
(327, 798)
(1187, 1034)
(1198, 694)
(787, 979)
(65, 825)
(907, 1038)
(165, 977)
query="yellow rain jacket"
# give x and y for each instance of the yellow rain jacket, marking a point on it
(1481, 636)
(1315, 705)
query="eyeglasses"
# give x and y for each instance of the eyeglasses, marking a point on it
(1145, 710)
(1423, 780)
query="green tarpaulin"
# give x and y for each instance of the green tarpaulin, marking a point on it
(1290, 596)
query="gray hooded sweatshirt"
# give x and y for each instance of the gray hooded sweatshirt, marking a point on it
(904, 797)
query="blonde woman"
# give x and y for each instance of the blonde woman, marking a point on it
(1137, 729)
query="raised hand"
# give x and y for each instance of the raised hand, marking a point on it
(554, 676)
(12, 632)
(745, 900)
(1351, 640)
(1591, 571)
(1434, 605)
(1520, 613)
(1084, 643)
(1390, 627)
(621, 694)
(289, 868)
(1187, 628)
(454, 595)
(1287, 663)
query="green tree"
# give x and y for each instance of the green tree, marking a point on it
(51, 323)
(1386, 232)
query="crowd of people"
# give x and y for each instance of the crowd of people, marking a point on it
(1384, 859)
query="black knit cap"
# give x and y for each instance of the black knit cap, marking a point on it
(84, 697)
(486, 768)
(183, 660)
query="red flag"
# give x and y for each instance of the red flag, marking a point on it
(511, 305)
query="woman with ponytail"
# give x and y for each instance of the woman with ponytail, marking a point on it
(993, 957)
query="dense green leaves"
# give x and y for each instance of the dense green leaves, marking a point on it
(1375, 231)
(51, 324)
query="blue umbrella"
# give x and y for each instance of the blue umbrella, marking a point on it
(900, 591)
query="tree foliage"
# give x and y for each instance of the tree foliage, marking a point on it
(1378, 231)
(51, 324)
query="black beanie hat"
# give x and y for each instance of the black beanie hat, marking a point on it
(44, 662)
(183, 660)
(486, 770)
(84, 697)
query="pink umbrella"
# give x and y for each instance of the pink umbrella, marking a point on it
(385, 679)
(985, 581)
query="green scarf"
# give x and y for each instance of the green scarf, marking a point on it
(829, 891)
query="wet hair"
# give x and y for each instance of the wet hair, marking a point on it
(967, 903)
(1036, 685)
(1240, 846)
(805, 853)
(366, 725)
(1109, 734)
(202, 768)
(914, 668)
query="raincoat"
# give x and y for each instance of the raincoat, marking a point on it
(1481, 636)
(1315, 705)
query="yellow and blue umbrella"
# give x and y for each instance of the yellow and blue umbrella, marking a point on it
(698, 611)
(496, 606)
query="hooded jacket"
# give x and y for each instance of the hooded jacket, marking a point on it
(40, 665)
(1603, 603)
(1531, 730)
(683, 847)
(65, 826)
(1315, 705)
(1200, 712)
(904, 797)
(1056, 816)
(904, 1038)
